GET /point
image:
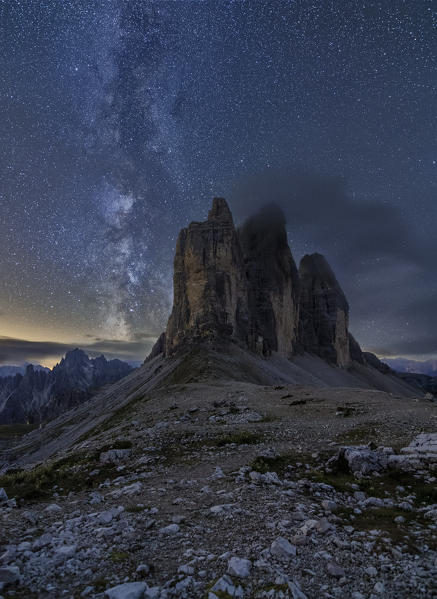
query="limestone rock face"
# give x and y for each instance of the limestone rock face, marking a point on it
(243, 286)
(273, 283)
(210, 289)
(323, 312)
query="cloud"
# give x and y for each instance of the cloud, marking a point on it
(19, 351)
(385, 264)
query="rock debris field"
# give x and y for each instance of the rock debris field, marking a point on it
(232, 490)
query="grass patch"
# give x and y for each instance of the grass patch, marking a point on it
(100, 584)
(13, 431)
(383, 519)
(70, 473)
(280, 463)
(135, 509)
(118, 556)
(120, 444)
(359, 434)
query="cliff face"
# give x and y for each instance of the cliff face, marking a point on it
(273, 283)
(244, 286)
(323, 312)
(210, 290)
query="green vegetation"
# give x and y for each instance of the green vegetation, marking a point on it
(119, 556)
(383, 519)
(135, 509)
(100, 584)
(120, 444)
(280, 463)
(13, 431)
(359, 434)
(71, 473)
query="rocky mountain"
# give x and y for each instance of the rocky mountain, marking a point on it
(41, 394)
(428, 367)
(222, 467)
(11, 370)
(243, 286)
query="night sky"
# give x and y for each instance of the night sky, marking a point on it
(120, 120)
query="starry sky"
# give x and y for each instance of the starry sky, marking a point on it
(121, 119)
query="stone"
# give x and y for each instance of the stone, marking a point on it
(171, 529)
(240, 567)
(114, 456)
(359, 459)
(282, 548)
(371, 571)
(218, 473)
(53, 507)
(3, 495)
(335, 570)
(295, 590)
(379, 588)
(128, 590)
(225, 585)
(9, 575)
(65, 551)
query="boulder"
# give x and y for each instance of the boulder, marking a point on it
(240, 567)
(128, 590)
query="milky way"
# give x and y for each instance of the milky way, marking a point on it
(121, 119)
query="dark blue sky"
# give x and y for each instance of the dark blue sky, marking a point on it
(121, 120)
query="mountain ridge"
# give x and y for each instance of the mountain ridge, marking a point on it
(40, 394)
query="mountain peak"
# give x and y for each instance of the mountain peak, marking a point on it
(243, 286)
(220, 211)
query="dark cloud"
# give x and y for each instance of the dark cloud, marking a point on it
(385, 264)
(19, 351)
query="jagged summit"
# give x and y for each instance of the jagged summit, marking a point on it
(243, 286)
(220, 211)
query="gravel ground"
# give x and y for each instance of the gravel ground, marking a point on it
(223, 491)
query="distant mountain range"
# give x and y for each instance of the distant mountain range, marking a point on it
(428, 367)
(33, 393)
(13, 370)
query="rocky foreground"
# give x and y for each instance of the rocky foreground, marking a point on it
(232, 490)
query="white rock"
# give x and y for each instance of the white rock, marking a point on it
(269, 478)
(65, 551)
(53, 507)
(225, 585)
(218, 473)
(335, 569)
(240, 567)
(3, 495)
(371, 571)
(108, 515)
(282, 548)
(114, 455)
(171, 529)
(329, 505)
(132, 489)
(219, 509)
(186, 569)
(128, 590)
(296, 591)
